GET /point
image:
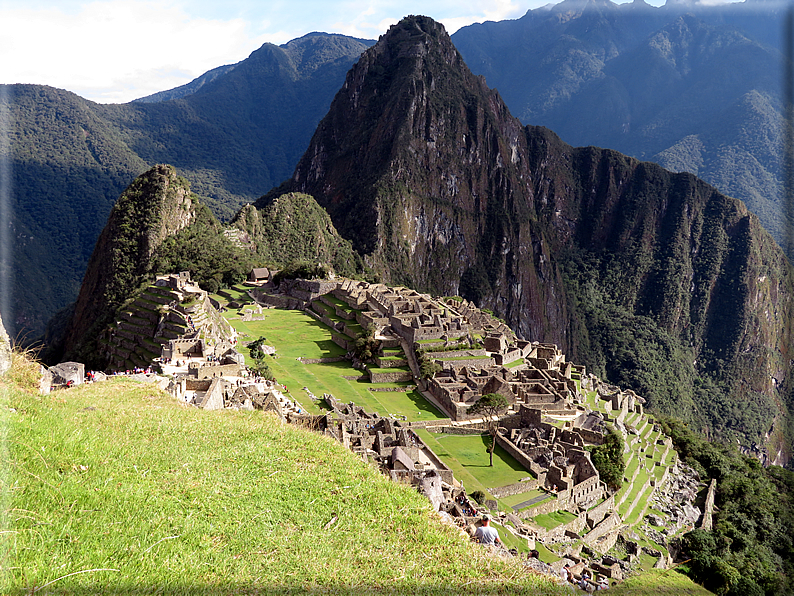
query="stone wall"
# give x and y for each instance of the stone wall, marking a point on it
(196, 384)
(207, 371)
(513, 489)
(390, 377)
(278, 301)
(455, 353)
(431, 425)
(547, 507)
(328, 360)
(390, 363)
(342, 341)
(607, 524)
(340, 312)
(213, 399)
(463, 430)
(456, 410)
(514, 451)
(469, 362)
(599, 512)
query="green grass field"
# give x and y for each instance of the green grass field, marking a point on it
(521, 497)
(295, 334)
(552, 520)
(467, 456)
(114, 488)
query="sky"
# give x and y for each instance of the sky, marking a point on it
(112, 51)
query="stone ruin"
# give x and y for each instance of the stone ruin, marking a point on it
(398, 451)
(557, 456)
(544, 383)
(172, 309)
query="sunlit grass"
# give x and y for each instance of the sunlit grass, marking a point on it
(124, 489)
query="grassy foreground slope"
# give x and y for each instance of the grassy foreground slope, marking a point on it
(115, 488)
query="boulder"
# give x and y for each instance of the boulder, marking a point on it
(68, 372)
(5, 350)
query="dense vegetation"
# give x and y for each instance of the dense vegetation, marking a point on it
(636, 351)
(750, 551)
(293, 228)
(156, 227)
(202, 248)
(608, 458)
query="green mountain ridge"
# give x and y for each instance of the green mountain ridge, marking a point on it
(233, 137)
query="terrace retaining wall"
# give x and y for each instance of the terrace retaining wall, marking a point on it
(390, 377)
(517, 488)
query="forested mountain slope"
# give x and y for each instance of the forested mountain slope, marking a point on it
(652, 278)
(233, 133)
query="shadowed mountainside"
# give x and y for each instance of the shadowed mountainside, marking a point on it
(233, 133)
(695, 88)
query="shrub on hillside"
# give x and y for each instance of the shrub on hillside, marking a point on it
(608, 458)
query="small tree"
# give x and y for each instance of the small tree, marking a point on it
(428, 367)
(366, 346)
(260, 366)
(608, 458)
(489, 405)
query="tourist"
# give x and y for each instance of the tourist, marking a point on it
(603, 584)
(486, 534)
(565, 573)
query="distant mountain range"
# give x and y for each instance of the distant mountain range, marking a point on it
(234, 133)
(692, 88)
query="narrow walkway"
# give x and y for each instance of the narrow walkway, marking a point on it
(531, 502)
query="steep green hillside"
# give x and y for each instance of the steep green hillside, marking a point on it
(118, 489)
(295, 228)
(68, 166)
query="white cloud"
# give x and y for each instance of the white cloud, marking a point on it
(116, 50)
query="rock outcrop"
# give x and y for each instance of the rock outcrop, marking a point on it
(5, 350)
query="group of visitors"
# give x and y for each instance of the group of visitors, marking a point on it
(584, 581)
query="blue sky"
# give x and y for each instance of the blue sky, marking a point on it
(117, 50)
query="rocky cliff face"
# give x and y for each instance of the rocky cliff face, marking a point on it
(155, 206)
(421, 166)
(424, 169)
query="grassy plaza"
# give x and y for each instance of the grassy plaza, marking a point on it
(295, 335)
